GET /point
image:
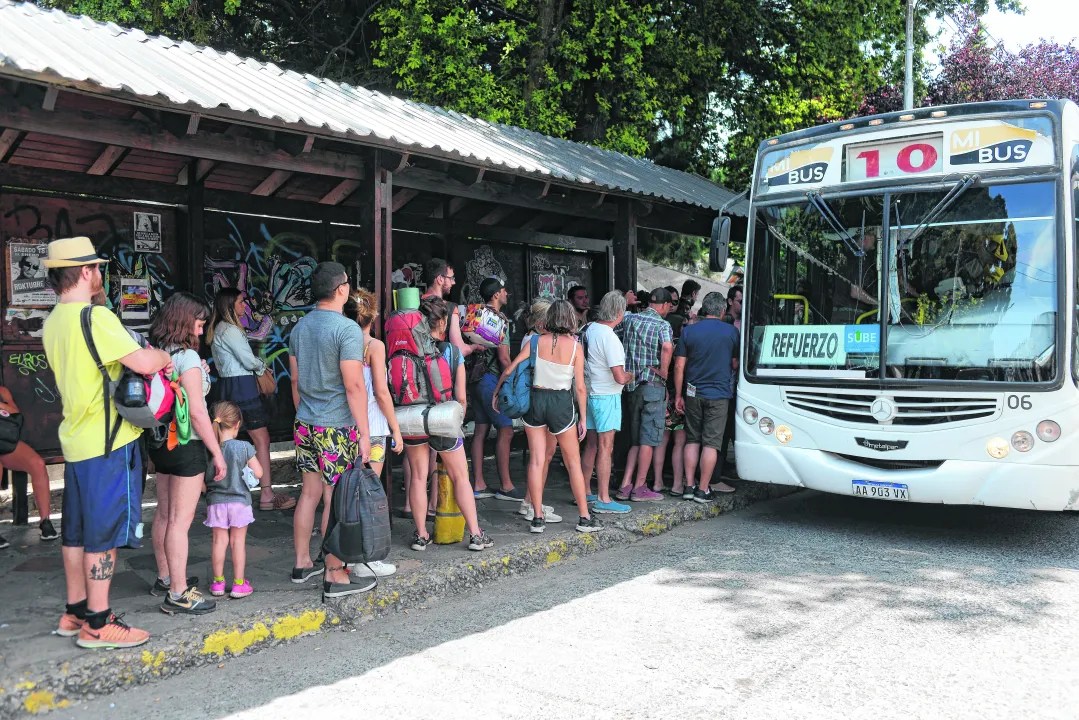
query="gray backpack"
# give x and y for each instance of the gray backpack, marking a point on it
(359, 527)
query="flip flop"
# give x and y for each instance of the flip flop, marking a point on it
(280, 502)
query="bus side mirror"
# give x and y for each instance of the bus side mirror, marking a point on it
(720, 244)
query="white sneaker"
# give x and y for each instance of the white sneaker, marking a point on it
(548, 513)
(378, 568)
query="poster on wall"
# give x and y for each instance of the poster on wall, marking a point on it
(147, 232)
(28, 277)
(134, 299)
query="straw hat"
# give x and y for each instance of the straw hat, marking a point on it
(72, 252)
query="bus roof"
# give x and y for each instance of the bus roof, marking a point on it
(1055, 107)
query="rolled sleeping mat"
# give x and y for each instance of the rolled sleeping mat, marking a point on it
(421, 421)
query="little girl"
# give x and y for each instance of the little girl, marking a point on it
(228, 502)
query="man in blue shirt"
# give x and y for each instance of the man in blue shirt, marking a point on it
(704, 362)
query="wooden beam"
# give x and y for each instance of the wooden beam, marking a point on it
(496, 215)
(414, 223)
(202, 169)
(340, 192)
(455, 206)
(465, 174)
(81, 184)
(144, 136)
(543, 192)
(294, 143)
(625, 247)
(107, 160)
(536, 222)
(9, 140)
(193, 124)
(49, 103)
(599, 200)
(394, 161)
(498, 193)
(272, 183)
(402, 198)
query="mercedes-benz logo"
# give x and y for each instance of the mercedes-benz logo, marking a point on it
(882, 410)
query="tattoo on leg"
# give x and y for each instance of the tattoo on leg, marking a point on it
(103, 568)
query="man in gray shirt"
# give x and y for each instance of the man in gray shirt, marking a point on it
(326, 365)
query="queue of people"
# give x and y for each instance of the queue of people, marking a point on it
(640, 365)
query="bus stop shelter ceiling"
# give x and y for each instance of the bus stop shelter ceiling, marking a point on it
(157, 116)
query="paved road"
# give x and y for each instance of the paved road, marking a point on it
(812, 606)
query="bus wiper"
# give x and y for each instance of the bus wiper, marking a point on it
(946, 202)
(821, 206)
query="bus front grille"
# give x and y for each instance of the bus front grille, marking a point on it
(909, 409)
(886, 464)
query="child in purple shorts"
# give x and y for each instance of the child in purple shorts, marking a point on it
(228, 502)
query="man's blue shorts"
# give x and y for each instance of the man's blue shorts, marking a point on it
(482, 395)
(605, 412)
(102, 502)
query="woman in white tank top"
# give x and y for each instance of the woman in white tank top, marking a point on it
(558, 406)
(363, 308)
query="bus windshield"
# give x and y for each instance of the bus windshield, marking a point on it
(955, 284)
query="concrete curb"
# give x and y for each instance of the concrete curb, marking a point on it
(51, 686)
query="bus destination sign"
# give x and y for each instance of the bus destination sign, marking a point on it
(822, 345)
(895, 153)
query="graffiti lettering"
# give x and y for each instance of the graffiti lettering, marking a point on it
(45, 393)
(29, 362)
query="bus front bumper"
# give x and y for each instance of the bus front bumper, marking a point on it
(956, 482)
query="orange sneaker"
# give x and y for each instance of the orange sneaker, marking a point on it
(115, 634)
(69, 625)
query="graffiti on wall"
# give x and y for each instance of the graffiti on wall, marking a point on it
(274, 272)
(481, 266)
(44, 219)
(554, 279)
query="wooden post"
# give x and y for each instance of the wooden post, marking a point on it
(196, 228)
(625, 247)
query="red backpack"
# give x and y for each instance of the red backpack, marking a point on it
(418, 374)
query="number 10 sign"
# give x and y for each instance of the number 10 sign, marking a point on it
(900, 157)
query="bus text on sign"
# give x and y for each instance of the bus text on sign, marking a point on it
(894, 158)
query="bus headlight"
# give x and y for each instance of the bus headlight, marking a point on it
(784, 434)
(1048, 431)
(1023, 441)
(997, 448)
(766, 425)
(750, 414)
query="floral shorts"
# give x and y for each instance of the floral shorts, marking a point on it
(328, 451)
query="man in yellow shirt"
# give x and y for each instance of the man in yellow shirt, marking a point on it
(102, 505)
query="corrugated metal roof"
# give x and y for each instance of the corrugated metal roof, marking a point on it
(52, 47)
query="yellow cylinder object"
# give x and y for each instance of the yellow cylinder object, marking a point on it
(449, 522)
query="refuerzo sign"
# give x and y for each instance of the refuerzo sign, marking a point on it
(826, 345)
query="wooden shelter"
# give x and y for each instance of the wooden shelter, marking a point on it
(193, 169)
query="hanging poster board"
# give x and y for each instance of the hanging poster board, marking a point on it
(28, 285)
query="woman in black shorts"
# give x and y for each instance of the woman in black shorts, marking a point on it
(557, 410)
(182, 470)
(236, 367)
(450, 450)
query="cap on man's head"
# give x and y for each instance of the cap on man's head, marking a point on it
(72, 252)
(660, 296)
(489, 287)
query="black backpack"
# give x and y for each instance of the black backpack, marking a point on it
(359, 527)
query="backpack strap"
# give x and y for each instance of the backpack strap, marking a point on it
(533, 346)
(88, 335)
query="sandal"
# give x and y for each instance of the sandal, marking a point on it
(279, 502)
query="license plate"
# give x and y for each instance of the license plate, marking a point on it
(880, 490)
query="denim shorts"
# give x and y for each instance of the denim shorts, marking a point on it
(647, 415)
(483, 393)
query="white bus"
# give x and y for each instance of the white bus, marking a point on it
(910, 327)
